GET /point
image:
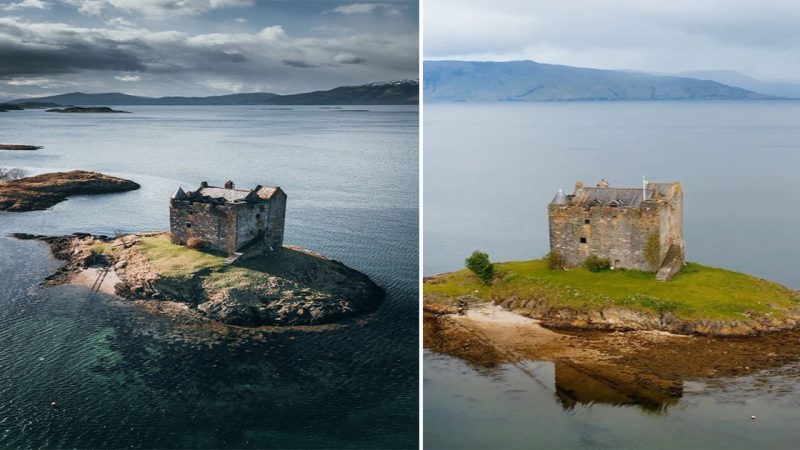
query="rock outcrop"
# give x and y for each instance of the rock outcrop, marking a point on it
(43, 191)
(19, 147)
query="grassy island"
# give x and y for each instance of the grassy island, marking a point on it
(578, 297)
(293, 286)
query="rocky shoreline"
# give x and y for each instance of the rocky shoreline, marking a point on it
(644, 368)
(43, 191)
(292, 287)
(615, 318)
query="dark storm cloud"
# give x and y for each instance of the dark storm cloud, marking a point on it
(18, 60)
(132, 46)
(297, 63)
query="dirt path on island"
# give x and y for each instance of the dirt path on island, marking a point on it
(644, 368)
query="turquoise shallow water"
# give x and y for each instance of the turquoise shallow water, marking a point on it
(126, 378)
(491, 169)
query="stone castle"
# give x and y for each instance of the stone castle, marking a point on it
(227, 219)
(634, 228)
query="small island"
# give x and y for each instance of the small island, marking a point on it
(700, 300)
(87, 109)
(614, 305)
(289, 286)
(43, 191)
(10, 107)
(616, 263)
(20, 147)
(223, 260)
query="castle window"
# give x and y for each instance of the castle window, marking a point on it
(583, 240)
(586, 221)
(188, 225)
(258, 216)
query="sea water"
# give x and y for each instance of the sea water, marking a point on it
(123, 377)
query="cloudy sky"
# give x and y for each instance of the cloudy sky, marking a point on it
(759, 38)
(203, 47)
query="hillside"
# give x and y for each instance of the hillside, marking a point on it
(404, 92)
(466, 81)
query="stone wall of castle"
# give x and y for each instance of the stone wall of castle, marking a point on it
(229, 227)
(250, 221)
(619, 234)
(215, 224)
(273, 236)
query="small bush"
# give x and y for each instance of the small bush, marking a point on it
(196, 243)
(595, 263)
(555, 261)
(478, 262)
(11, 174)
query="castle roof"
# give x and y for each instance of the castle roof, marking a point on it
(630, 197)
(620, 197)
(218, 195)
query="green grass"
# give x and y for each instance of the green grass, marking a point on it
(102, 248)
(177, 260)
(698, 292)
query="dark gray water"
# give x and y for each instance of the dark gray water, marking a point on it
(491, 169)
(123, 377)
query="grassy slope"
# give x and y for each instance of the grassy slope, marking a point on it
(699, 292)
(176, 260)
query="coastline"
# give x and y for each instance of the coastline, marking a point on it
(647, 368)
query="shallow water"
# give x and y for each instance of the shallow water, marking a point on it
(122, 377)
(491, 169)
(517, 406)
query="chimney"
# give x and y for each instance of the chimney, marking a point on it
(578, 185)
(602, 183)
(203, 184)
(229, 184)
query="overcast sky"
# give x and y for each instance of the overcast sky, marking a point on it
(203, 47)
(759, 38)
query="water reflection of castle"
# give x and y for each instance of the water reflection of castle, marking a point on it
(573, 386)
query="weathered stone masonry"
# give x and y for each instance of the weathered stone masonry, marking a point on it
(229, 219)
(616, 223)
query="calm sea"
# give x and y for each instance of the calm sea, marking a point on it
(491, 169)
(125, 378)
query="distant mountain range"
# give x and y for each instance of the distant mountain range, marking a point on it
(471, 81)
(740, 80)
(402, 92)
